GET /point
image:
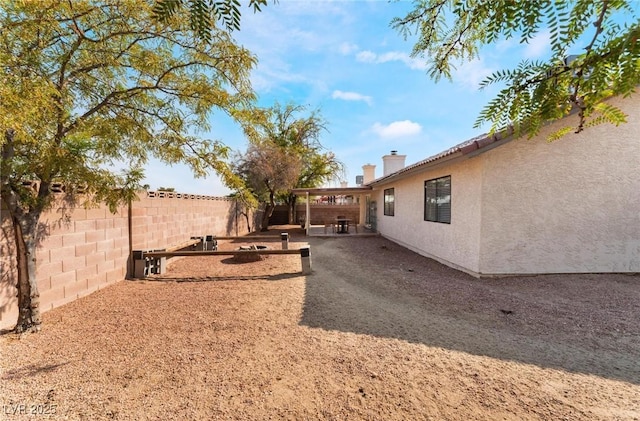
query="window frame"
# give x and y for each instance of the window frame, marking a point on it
(429, 208)
(389, 208)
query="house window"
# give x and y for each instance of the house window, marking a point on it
(389, 198)
(437, 200)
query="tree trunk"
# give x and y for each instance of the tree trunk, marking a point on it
(268, 211)
(291, 201)
(24, 228)
(24, 221)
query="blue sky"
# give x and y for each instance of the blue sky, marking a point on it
(343, 58)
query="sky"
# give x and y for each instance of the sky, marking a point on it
(343, 59)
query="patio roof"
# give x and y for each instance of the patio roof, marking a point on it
(332, 191)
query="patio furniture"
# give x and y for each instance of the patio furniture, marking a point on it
(343, 224)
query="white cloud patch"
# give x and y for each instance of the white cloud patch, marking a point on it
(371, 57)
(538, 46)
(397, 129)
(471, 73)
(351, 96)
(366, 57)
(347, 48)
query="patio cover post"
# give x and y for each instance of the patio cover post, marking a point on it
(307, 222)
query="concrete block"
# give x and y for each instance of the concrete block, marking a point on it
(85, 249)
(51, 242)
(122, 242)
(140, 264)
(103, 224)
(72, 263)
(85, 225)
(112, 233)
(95, 236)
(72, 289)
(98, 213)
(62, 279)
(50, 296)
(121, 222)
(305, 256)
(138, 211)
(73, 239)
(59, 254)
(47, 269)
(141, 221)
(95, 258)
(104, 245)
(86, 272)
(93, 282)
(105, 267)
(63, 301)
(116, 253)
(117, 274)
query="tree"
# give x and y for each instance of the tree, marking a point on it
(300, 135)
(204, 13)
(85, 84)
(268, 170)
(605, 33)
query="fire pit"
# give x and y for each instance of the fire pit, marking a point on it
(247, 256)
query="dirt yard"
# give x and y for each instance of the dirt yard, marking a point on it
(375, 333)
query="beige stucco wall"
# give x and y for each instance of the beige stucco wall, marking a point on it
(456, 244)
(529, 206)
(568, 206)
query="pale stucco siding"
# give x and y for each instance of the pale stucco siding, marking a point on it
(570, 206)
(456, 244)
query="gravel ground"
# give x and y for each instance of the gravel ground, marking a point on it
(375, 333)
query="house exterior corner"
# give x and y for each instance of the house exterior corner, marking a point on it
(525, 205)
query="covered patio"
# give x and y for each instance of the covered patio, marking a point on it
(336, 226)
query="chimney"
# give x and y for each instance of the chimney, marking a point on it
(344, 184)
(368, 173)
(392, 163)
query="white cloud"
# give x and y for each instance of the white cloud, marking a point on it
(538, 45)
(347, 48)
(471, 73)
(366, 57)
(397, 129)
(351, 96)
(371, 57)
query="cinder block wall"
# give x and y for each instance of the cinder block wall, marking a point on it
(90, 249)
(162, 219)
(76, 256)
(322, 214)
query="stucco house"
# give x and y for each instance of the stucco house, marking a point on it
(495, 205)
(491, 206)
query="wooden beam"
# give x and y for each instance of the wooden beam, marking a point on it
(216, 252)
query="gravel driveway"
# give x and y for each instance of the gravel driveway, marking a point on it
(375, 333)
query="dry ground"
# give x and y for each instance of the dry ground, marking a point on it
(375, 333)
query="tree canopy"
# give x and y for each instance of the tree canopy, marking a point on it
(595, 54)
(87, 86)
(203, 14)
(286, 129)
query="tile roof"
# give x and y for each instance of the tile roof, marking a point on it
(464, 148)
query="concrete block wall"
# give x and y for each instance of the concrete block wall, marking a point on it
(75, 257)
(162, 219)
(322, 214)
(90, 249)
